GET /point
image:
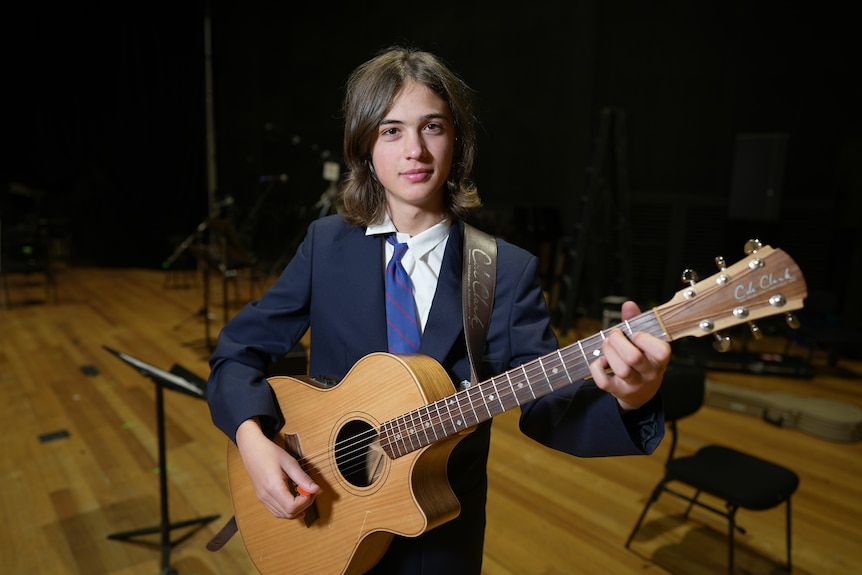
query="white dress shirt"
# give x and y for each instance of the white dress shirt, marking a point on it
(422, 260)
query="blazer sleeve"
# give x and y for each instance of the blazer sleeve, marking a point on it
(260, 334)
(579, 419)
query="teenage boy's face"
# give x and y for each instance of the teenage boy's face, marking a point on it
(412, 154)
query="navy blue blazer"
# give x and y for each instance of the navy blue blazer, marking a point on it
(335, 285)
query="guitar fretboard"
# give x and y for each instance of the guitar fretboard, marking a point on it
(464, 409)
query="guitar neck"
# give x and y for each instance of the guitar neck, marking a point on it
(767, 282)
(479, 403)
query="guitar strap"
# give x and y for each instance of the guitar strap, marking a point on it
(477, 287)
(225, 533)
(477, 290)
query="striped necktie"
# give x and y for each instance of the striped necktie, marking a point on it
(403, 329)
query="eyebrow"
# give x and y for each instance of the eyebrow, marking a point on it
(432, 116)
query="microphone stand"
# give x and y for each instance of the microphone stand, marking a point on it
(194, 243)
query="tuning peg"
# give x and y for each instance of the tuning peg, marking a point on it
(690, 277)
(752, 245)
(755, 330)
(792, 320)
(721, 263)
(721, 343)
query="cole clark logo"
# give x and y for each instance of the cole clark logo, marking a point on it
(767, 282)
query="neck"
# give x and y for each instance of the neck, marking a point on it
(416, 222)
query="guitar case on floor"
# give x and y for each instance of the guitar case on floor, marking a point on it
(822, 417)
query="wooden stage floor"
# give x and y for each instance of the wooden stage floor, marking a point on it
(80, 457)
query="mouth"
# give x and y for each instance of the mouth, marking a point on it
(417, 175)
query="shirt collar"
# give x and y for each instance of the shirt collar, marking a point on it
(421, 243)
(385, 227)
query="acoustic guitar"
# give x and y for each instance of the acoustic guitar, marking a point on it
(378, 442)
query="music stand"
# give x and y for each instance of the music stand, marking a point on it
(180, 383)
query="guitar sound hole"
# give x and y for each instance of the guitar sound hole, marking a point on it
(358, 454)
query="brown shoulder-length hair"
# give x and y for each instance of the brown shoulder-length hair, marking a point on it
(370, 92)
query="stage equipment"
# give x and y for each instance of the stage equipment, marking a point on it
(183, 381)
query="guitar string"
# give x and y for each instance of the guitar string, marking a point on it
(350, 452)
(354, 458)
(647, 322)
(535, 370)
(354, 448)
(644, 322)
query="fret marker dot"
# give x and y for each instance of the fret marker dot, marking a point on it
(597, 353)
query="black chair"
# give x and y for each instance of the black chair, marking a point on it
(741, 480)
(24, 250)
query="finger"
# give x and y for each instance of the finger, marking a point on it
(656, 350)
(300, 482)
(623, 357)
(598, 370)
(629, 310)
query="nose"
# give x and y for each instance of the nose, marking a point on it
(414, 147)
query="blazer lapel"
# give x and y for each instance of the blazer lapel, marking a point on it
(361, 289)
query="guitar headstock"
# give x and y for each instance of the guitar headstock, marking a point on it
(767, 282)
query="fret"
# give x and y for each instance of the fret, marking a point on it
(406, 437)
(410, 431)
(426, 424)
(392, 442)
(565, 367)
(560, 377)
(392, 439)
(464, 401)
(403, 434)
(512, 399)
(439, 422)
(430, 425)
(583, 353)
(519, 392)
(495, 397)
(445, 417)
(479, 403)
(527, 379)
(512, 389)
(595, 345)
(545, 373)
(456, 420)
(466, 411)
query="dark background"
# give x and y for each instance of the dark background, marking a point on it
(106, 137)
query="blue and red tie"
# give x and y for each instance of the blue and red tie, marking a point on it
(403, 329)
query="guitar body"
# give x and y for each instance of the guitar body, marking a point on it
(366, 498)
